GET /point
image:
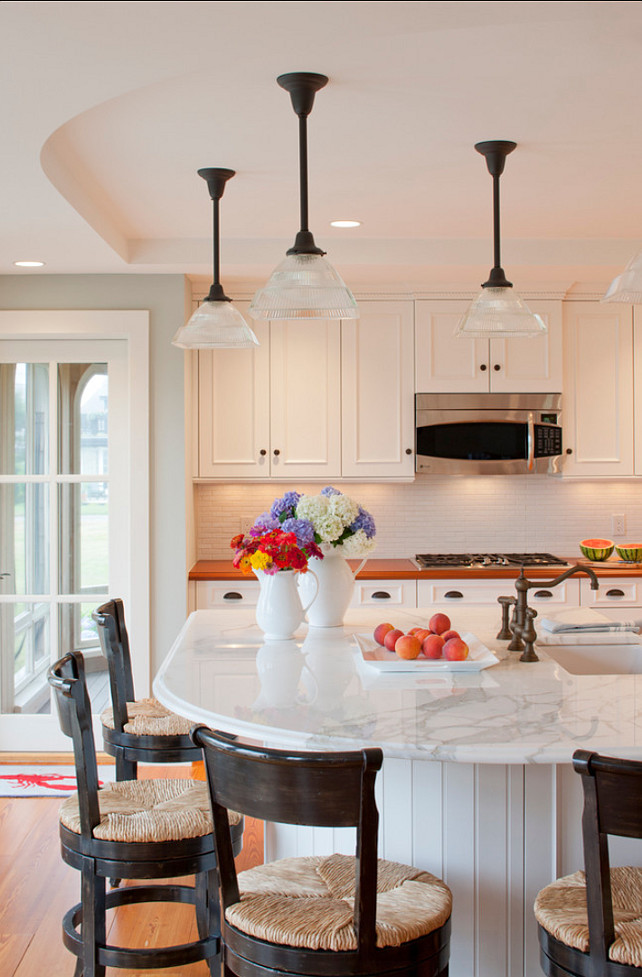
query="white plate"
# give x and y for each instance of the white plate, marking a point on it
(479, 656)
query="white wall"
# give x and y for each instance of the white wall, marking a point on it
(448, 514)
(165, 297)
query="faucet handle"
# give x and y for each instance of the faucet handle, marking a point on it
(529, 634)
(505, 634)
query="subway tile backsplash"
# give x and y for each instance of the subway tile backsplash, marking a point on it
(446, 514)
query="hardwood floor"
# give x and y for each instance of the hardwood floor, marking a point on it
(37, 888)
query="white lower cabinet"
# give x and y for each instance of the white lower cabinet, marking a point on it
(385, 593)
(466, 592)
(218, 594)
(619, 598)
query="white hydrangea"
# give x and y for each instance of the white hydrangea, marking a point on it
(357, 546)
(328, 527)
(313, 508)
(345, 508)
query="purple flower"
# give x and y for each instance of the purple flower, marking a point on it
(364, 521)
(302, 529)
(264, 521)
(330, 490)
(287, 504)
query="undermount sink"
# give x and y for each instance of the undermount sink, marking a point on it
(597, 659)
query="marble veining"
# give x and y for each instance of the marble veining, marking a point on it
(316, 691)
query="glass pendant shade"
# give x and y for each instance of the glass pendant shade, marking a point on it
(499, 312)
(627, 287)
(215, 325)
(304, 286)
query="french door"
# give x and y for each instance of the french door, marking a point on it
(66, 482)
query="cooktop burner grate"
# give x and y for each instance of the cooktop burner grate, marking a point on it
(428, 560)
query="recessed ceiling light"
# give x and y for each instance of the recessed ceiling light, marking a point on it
(345, 223)
(28, 264)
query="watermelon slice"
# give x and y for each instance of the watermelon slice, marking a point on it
(597, 549)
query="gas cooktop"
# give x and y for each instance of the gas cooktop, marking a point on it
(432, 560)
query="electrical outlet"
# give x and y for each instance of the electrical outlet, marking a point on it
(618, 524)
(246, 523)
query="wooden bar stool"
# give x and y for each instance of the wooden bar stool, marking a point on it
(338, 915)
(590, 923)
(135, 731)
(135, 829)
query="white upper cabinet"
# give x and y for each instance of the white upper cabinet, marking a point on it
(378, 391)
(273, 411)
(598, 413)
(449, 364)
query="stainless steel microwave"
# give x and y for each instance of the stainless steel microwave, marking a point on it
(488, 434)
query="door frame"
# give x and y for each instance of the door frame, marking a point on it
(97, 324)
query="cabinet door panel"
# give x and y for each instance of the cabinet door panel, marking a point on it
(233, 409)
(532, 365)
(444, 362)
(598, 389)
(306, 398)
(378, 391)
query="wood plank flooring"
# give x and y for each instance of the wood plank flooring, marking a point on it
(37, 888)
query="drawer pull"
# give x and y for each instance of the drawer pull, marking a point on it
(453, 595)
(232, 595)
(615, 593)
(380, 595)
(542, 593)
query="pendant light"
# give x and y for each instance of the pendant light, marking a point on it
(497, 310)
(216, 324)
(627, 287)
(304, 285)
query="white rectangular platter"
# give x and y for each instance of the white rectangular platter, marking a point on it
(479, 657)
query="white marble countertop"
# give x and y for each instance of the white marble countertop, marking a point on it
(316, 692)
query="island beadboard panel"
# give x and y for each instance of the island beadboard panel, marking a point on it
(437, 514)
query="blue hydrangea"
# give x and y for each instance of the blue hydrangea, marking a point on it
(265, 521)
(287, 504)
(302, 529)
(364, 521)
(330, 490)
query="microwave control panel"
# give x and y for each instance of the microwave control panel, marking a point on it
(548, 441)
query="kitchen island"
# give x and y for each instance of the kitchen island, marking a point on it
(476, 786)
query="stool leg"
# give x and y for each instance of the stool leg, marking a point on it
(125, 769)
(92, 927)
(208, 918)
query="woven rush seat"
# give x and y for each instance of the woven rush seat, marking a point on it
(309, 902)
(560, 909)
(147, 811)
(147, 717)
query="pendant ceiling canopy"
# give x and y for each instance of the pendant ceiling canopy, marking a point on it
(497, 310)
(216, 324)
(304, 285)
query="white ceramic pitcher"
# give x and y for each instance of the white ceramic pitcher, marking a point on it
(279, 610)
(335, 588)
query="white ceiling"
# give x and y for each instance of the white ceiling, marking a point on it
(108, 110)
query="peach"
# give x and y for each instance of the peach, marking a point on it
(407, 646)
(391, 637)
(446, 635)
(455, 650)
(422, 633)
(413, 630)
(381, 631)
(432, 646)
(439, 623)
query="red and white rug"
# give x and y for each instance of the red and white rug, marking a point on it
(44, 780)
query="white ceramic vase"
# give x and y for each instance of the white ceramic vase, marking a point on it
(335, 584)
(279, 610)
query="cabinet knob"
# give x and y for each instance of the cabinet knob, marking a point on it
(615, 593)
(497, 366)
(453, 595)
(263, 452)
(232, 595)
(276, 451)
(483, 367)
(381, 595)
(542, 593)
(569, 451)
(408, 451)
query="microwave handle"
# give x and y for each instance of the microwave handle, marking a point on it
(530, 442)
